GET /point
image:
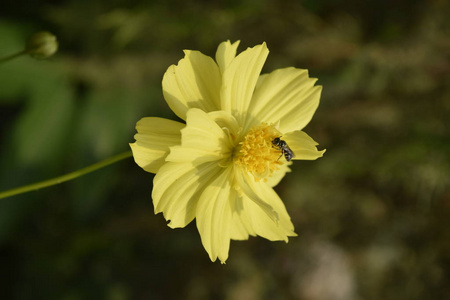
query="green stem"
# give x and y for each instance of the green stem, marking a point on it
(12, 56)
(67, 177)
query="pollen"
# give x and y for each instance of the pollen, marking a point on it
(256, 152)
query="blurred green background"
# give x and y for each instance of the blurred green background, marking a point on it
(373, 215)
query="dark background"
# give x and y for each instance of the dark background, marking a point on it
(373, 215)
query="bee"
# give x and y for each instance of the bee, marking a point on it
(283, 146)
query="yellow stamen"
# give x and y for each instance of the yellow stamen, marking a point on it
(257, 153)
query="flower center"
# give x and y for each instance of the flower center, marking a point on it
(257, 153)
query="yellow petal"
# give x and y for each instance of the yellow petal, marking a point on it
(245, 182)
(202, 140)
(177, 188)
(257, 220)
(239, 81)
(194, 82)
(285, 95)
(240, 230)
(227, 122)
(154, 137)
(277, 175)
(214, 216)
(303, 146)
(226, 52)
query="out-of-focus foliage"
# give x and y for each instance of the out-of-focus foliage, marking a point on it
(373, 215)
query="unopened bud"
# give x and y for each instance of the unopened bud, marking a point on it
(42, 45)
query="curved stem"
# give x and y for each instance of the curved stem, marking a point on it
(67, 177)
(12, 56)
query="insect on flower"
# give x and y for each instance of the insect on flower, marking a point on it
(284, 148)
(218, 168)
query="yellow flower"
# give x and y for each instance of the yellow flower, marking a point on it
(221, 166)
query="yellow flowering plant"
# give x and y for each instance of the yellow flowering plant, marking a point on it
(242, 130)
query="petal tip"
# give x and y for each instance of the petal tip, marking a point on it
(322, 152)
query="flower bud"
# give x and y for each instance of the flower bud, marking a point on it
(42, 45)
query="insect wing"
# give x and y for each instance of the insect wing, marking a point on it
(288, 153)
